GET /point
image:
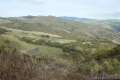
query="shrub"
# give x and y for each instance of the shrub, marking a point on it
(13, 64)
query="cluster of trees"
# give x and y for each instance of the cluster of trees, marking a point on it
(87, 62)
(15, 65)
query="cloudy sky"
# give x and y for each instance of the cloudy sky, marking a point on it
(75, 8)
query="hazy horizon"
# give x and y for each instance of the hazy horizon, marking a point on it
(102, 9)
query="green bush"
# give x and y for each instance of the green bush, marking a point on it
(2, 31)
(13, 64)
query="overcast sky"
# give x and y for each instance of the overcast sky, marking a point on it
(74, 8)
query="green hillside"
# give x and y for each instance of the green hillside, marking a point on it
(63, 48)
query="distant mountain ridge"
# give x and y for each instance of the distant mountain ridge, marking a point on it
(76, 18)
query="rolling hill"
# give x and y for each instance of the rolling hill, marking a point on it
(87, 46)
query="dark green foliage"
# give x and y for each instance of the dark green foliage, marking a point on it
(113, 53)
(2, 31)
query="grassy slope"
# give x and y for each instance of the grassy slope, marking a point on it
(55, 25)
(30, 48)
(48, 36)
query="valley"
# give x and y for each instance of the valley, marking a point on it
(68, 48)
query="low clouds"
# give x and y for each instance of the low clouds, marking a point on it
(114, 15)
(35, 1)
(28, 1)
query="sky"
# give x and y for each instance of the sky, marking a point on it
(99, 9)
